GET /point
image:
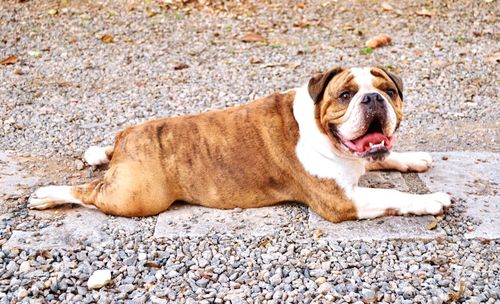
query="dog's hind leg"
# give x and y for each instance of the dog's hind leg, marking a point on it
(96, 156)
(122, 192)
(52, 196)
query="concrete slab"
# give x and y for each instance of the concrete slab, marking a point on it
(13, 182)
(487, 209)
(194, 221)
(473, 177)
(392, 227)
(386, 180)
(384, 228)
(65, 227)
(463, 174)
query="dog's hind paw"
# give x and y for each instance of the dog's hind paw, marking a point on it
(51, 196)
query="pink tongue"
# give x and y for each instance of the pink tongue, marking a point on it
(363, 143)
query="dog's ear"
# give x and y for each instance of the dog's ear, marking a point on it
(397, 81)
(318, 83)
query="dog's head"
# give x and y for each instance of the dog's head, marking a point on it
(359, 109)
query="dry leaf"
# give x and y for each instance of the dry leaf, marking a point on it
(387, 7)
(292, 65)
(152, 264)
(425, 12)
(494, 58)
(253, 37)
(318, 233)
(181, 66)
(107, 38)
(432, 225)
(9, 60)
(455, 297)
(301, 24)
(438, 63)
(151, 13)
(305, 23)
(378, 41)
(418, 53)
(35, 53)
(19, 72)
(52, 11)
(348, 27)
(264, 243)
(255, 60)
(300, 5)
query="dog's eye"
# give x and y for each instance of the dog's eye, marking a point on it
(391, 92)
(345, 95)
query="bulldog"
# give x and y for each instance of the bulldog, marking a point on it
(308, 145)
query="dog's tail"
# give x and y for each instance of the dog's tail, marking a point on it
(96, 156)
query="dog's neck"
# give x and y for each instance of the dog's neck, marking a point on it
(315, 151)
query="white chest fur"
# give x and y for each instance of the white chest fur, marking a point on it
(315, 151)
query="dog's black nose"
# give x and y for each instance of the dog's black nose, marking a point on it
(372, 98)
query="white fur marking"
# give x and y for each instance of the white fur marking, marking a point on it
(364, 78)
(408, 161)
(315, 151)
(50, 196)
(96, 156)
(372, 203)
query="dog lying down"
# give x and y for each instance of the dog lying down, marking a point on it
(309, 145)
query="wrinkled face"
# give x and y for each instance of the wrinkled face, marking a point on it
(359, 109)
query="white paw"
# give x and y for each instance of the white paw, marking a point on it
(434, 203)
(50, 196)
(414, 161)
(96, 156)
(41, 199)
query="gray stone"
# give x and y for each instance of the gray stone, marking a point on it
(368, 294)
(324, 288)
(202, 282)
(25, 266)
(142, 256)
(172, 274)
(130, 260)
(127, 288)
(188, 220)
(275, 280)
(12, 266)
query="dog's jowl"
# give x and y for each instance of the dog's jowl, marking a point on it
(309, 145)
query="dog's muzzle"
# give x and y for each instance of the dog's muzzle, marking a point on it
(374, 143)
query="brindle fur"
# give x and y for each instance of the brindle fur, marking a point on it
(210, 160)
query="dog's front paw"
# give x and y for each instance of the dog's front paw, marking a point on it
(434, 203)
(414, 161)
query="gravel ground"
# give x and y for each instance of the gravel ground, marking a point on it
(69, 90)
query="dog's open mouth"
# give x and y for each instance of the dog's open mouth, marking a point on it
(373, 144)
